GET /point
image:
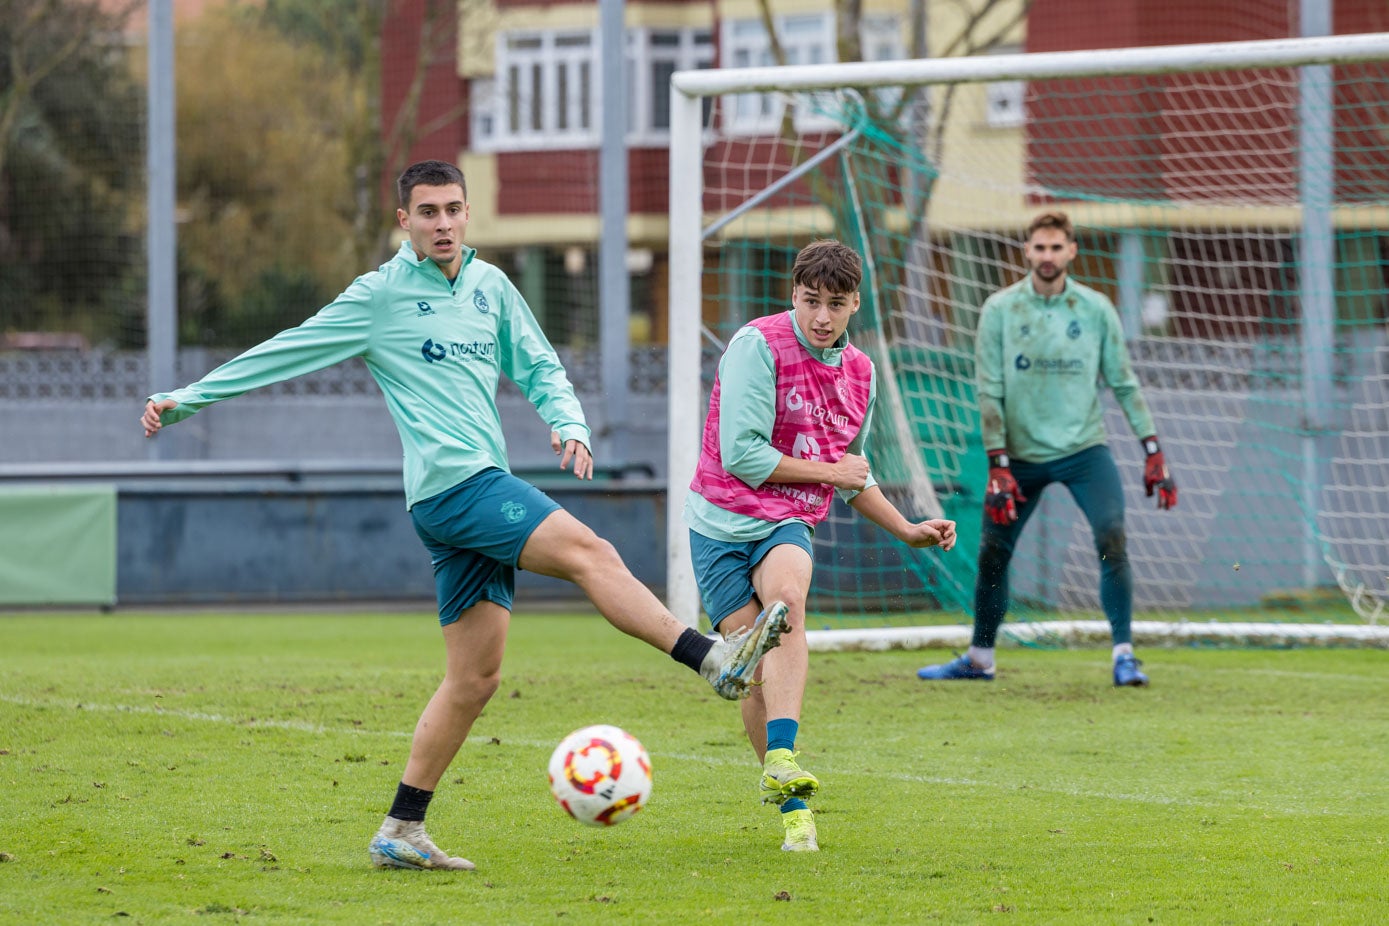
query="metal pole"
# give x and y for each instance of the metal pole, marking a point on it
(1131, 278)
(614, 288)
(1316, 270)
(161, 233)
(683, 391)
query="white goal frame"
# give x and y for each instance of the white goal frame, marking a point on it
(688, 220)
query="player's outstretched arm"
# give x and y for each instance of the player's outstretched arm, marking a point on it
(150, 419)
(875, 506)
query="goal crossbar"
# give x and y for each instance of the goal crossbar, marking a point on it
(1214, 56)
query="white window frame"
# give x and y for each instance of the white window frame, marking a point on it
(492, 97)
(806, 39)
(693, 49)
(1005, 101)
(529, 80)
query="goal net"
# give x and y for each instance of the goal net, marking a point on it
(1232, 201)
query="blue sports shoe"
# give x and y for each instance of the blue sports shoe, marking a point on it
(1126, 672)
(958, 668)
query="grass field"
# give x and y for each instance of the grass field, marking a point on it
(213, 768)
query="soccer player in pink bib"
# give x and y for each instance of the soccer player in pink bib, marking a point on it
(788, 421)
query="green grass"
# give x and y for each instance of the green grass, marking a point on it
(214, 768)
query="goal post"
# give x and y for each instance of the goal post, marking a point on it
(1232, 199)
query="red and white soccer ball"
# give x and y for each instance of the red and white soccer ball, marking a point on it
(600, 775)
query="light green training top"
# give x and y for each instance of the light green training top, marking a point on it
(1039, 361)
(435, 348)
(747, 414)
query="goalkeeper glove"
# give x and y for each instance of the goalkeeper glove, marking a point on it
(1156, 477)
(1002, 495)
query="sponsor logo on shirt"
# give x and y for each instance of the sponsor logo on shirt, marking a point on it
(805, 499)
(424, 309)
(805, 447)
(1060, 365)
(433, 351)
(794, 402)
(480, 302)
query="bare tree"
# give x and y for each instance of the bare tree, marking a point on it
(911, 125)
(40, 37)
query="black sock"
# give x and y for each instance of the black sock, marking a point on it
(410, 803)
(691, 648)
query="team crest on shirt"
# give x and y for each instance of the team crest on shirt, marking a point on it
(841, 386)
(513, 511)
(480, 302)
(1026, 330)
(1073, 330)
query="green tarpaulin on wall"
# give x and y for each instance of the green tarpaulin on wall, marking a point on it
(57, 545)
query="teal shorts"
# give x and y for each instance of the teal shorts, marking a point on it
(475, 533)
(723, 570)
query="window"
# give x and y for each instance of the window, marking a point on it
(1004, 100)
(544, 93)
(547, 90)
(653, 55)
(806, 39)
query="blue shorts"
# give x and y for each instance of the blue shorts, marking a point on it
(724, 570)
(475, 533)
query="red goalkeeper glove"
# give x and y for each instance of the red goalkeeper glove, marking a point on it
(1156, 478)
(1001, 495)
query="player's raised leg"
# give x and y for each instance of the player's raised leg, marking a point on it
(566, 548)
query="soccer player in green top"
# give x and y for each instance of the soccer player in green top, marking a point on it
(437, 327)
(1042, 347)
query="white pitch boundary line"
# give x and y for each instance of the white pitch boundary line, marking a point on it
(299, 726)
(303, 727)
(1080, 633)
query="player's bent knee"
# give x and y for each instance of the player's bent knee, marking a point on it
(994, 554)
(1112, 543)
(473, 690)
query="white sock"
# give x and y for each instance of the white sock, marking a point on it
(1122, 649)
(981, 656)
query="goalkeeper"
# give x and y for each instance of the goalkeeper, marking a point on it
(1042, 347)
(437, 327)
(788, 420)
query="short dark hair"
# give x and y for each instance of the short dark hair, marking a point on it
(428, 173)
(1057, 220)
(828, 265)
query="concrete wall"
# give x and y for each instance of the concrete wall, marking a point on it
(267, 540)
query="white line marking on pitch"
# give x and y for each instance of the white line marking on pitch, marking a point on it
(304, 727)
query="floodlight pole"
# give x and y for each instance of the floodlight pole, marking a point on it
(161, 314)
(1316, 269)
(614, 287)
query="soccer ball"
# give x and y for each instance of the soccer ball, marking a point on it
(600, 775)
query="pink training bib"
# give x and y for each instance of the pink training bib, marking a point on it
(819, 410)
